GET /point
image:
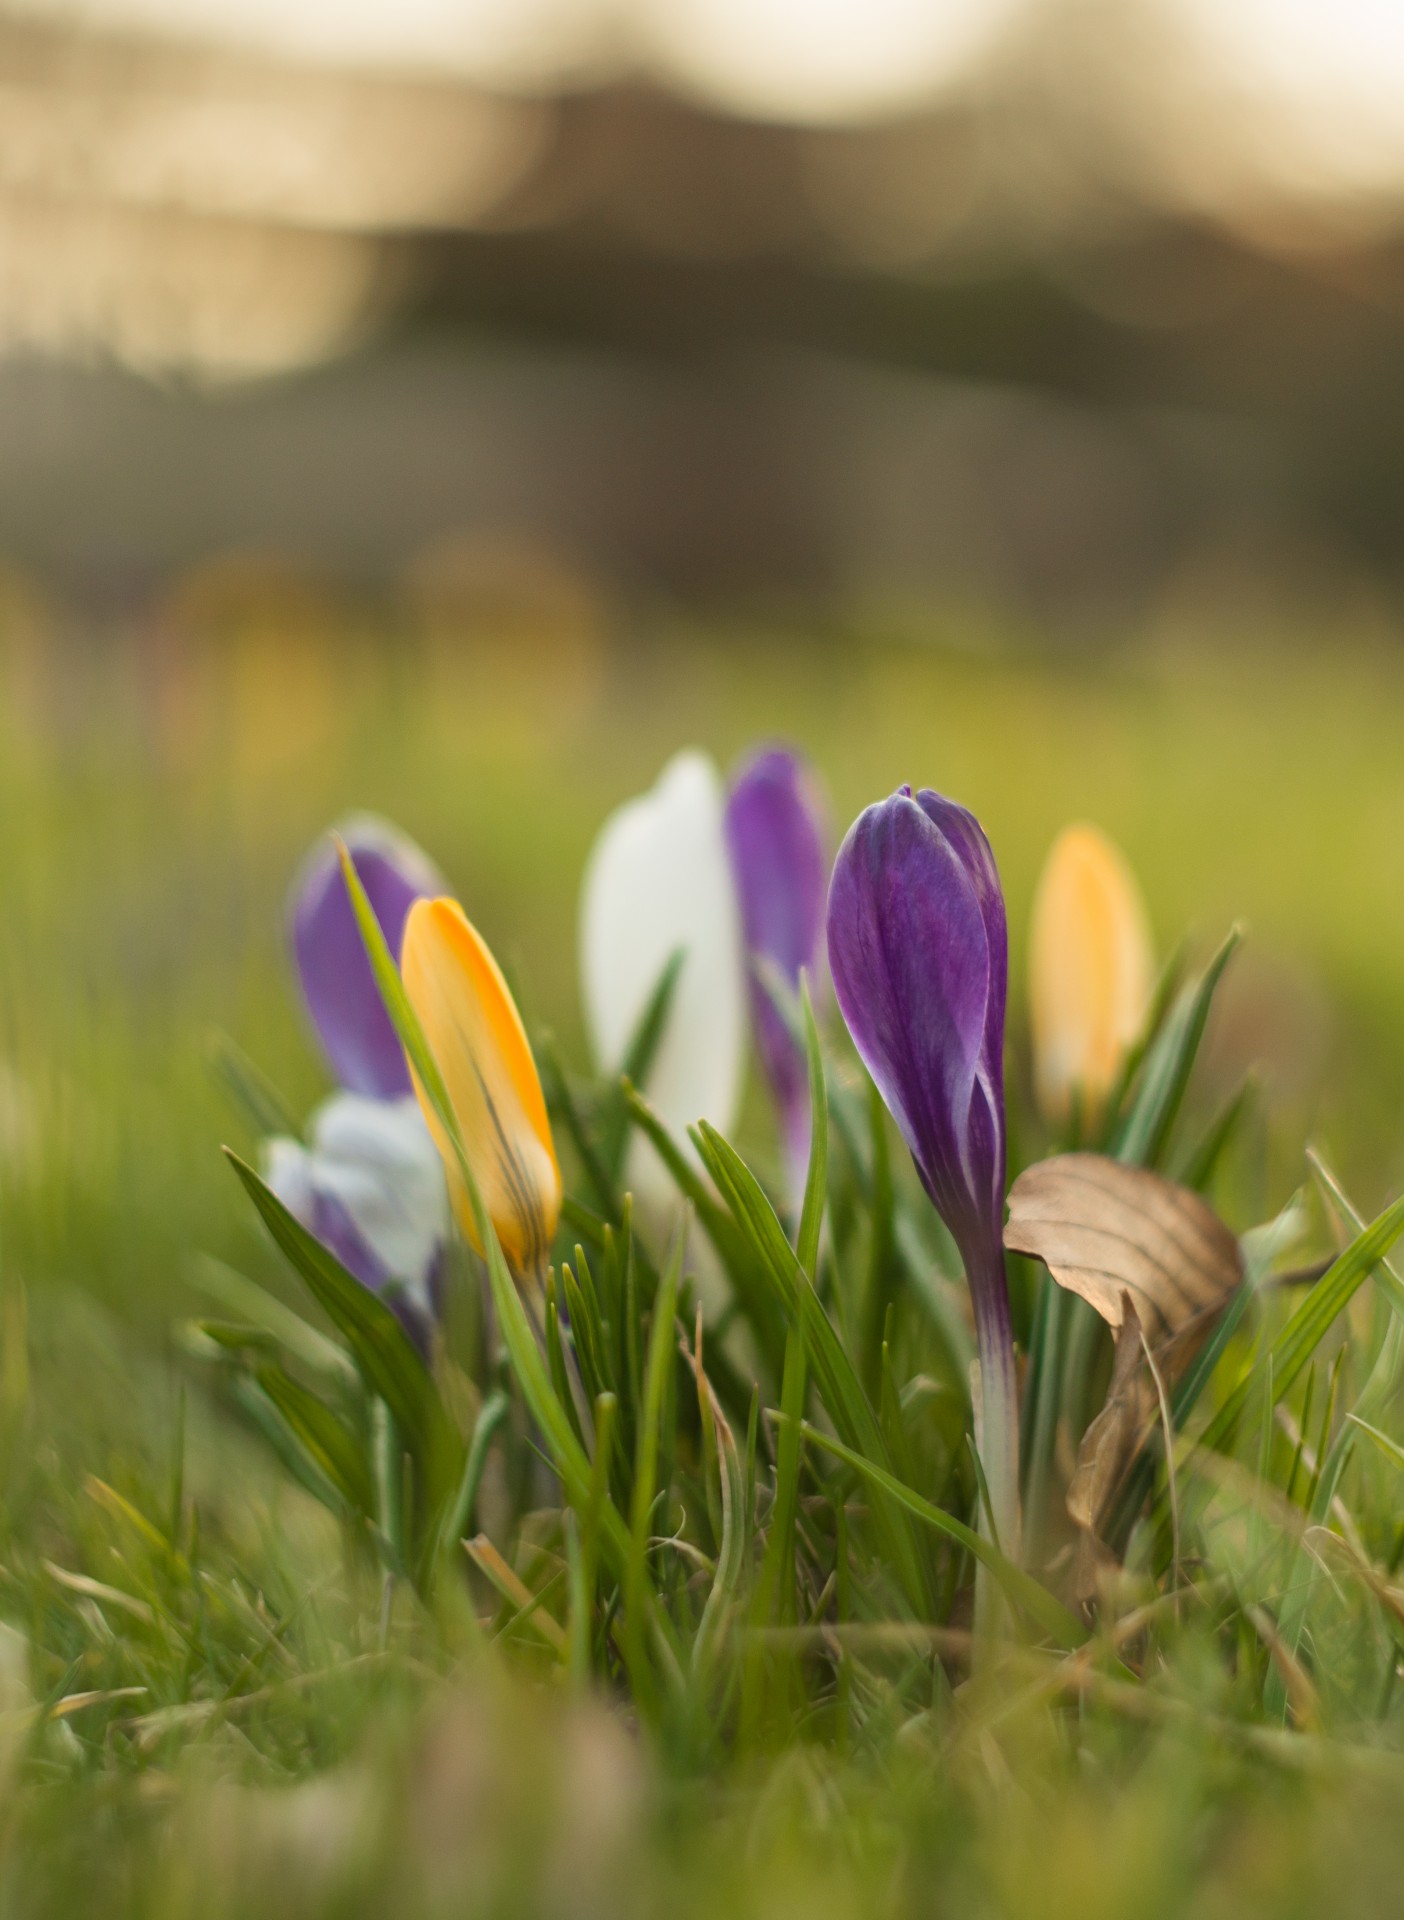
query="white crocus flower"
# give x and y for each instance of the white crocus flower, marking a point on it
(659, 880)
(370, 1185)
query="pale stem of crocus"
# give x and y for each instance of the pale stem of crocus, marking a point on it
(999, 1424)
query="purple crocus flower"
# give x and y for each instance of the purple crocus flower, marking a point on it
(920, 958)
(337, 982)
(775, 832)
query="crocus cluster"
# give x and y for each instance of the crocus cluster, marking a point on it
(733, 879)
(734, 882)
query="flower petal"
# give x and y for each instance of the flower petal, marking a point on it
(910, 955)
(379, 1160)
(659, 880)
(337, 982)
(776, 833)
(1091, 970)
(371, 1188)
(967, 837)
(919, 955)
(476, 1036)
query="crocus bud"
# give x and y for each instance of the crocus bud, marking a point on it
(1091, 972)
(370, 1186)
(776, 832)
(337, 982)
(476, 1036)
(919, 956)
(658, 882)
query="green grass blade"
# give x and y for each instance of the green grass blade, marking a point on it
(458, 1519)
(838, 1381)
(816, 1183)
(1165, 1073)
(1308, 1326)
(254, 1403)
(331, 1445)
(387, 1358)
(250, 1090)
(658, 1369)
(1019, 1587)
(1391, 1285)
(747, 1279)
(1197, 1167)
(637, 1063)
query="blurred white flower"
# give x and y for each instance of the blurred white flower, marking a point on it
(370, 1186)
(659, 880)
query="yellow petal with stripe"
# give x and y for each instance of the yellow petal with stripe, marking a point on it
(476, 1036)
(1091, 971)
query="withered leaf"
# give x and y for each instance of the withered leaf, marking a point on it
(1105, 1230)
(1158, 1265)
(1111, 1441)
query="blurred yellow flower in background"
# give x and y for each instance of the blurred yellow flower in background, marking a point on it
(1091, 972)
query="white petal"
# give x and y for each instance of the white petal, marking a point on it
(377, 1158)
(287, 1169)
(659, 879)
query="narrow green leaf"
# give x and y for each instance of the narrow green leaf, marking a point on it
(657, 1374)
(775, 1594)
(816, 1183)
(287, 1447)
(1390, 1448)
(1198, 1166)
(388, 1361)
(244, 1296)
(1021, 1588)
(556, 1360)
(1308, 1326)
(1166, 987)
(1261, 1249)
(459, 1516)
(250, 1090)
(848, 1404)
(396, 1001)
(637, 1064)
(561, 1100)
(1165, 1073)
(333, 1447)
(1391, 1284)
(747, 1281)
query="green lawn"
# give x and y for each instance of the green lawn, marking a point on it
(267, 1738)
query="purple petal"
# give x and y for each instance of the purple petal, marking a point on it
(775, 830)
(337, 982)
(967, 836)
(333, 1226)
(331, 1223)
(919, 957)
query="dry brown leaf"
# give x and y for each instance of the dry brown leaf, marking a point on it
(1110, 1442)
(1105, 1230)
(1158, 1265)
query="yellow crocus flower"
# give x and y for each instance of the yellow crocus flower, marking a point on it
(476, 1036)
(1091, 971)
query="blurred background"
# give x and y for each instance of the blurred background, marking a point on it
(453, 406)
